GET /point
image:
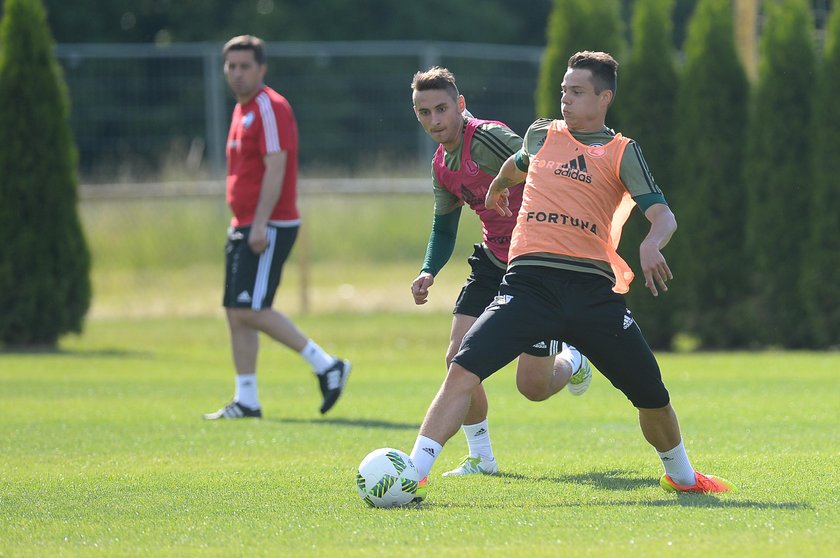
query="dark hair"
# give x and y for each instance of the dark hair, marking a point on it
(246, 42)
(604, 69)
(435, 78)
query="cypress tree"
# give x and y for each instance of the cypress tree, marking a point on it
(821, 266)
(44, 263)
(778, 172)
(707, 195)
(646, 97)
(575, 25)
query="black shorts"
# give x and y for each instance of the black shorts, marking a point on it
(481, 288)
(538, 302)
(252, 279)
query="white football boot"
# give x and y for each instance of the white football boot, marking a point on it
(474, 466)
(580, 380)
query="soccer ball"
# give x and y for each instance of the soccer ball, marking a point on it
(387, 478)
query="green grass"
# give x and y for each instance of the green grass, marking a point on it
(178, 232)
(165, 256)
(103, 452)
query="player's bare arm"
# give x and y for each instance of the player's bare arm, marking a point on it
(497, 195)
(272, 184)
(420, 287)
(662, 227)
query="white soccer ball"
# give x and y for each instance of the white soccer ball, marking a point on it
(387, 478)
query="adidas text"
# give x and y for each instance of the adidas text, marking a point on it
(574, 173)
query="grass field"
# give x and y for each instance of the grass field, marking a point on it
(103, 453)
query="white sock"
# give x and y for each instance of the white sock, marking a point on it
(424, 454)
(478, 439)
(246, 391)
(677, 465)
(572, 356)
(317, 358)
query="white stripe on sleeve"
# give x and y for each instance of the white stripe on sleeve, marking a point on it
(272, 137)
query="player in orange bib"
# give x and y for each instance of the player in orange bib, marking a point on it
(565, 279)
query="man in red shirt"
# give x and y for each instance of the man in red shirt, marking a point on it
(262, 152)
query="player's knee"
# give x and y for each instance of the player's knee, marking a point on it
(533, 391)
(460, 379)
(655, 399)
(450, 354)
(242, 316)
(235, 316)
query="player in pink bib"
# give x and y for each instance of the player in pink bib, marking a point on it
(469, 156)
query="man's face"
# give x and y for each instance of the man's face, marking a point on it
(582, 108)
(243, 74)
(440, 115)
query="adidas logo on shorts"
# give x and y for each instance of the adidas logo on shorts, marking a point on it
(243, 297)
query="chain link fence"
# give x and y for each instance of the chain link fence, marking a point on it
(161, 112)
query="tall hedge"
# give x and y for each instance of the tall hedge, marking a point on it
(647, 93)
(44, 263)
(821, 266)
(779, 174)
(708, 195)
(575, 25)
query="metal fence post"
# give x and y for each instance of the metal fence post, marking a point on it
(214, 108)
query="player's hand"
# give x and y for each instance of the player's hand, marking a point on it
(258, 239)
(497, 199)
(420, 287)
(654, 267)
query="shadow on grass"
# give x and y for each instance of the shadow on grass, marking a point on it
(74, 353)
(614, 479)
(624, 480)
(363, 423)
(711, 501)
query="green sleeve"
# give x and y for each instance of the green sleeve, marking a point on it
(644, 201)
(638, 180)
(441, 241)
(535, 136)
(520, 160)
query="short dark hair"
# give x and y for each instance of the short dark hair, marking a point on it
(604, 69)
(246, 42)
(435, 78)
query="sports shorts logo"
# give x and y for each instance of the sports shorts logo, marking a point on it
(628, 319)
(502, 299)
(244, 296)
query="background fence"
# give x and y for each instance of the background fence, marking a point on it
(140, 111)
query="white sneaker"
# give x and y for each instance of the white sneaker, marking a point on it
(580, 380)
(474, 466)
